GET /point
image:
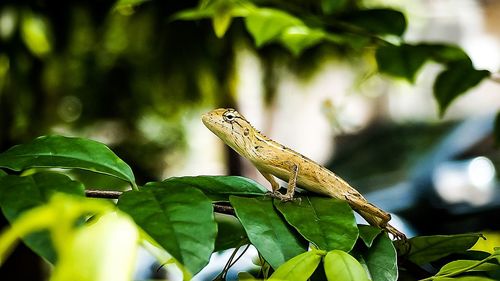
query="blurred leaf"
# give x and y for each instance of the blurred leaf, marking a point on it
(181, 220)
(219, 187)
(299, 268)
(103, 250)
(272, 237)
(266, 25)
(339, 265)
(463, 264)
(380, 259)
(2, 173)
(230, 232)
(120, 4)
(425, 249)
(379, 21)
(35, 33)
(19, 194)
(444, 53)
(459, 77)
(496, 130)
(66, 152)
(401, 61)
(333, 6)
(221, 12)
(298, 38)
(463, 278)
(368, 233)
(326, 222)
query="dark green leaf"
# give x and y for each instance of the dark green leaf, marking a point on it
(339, 265)
(425, 249)
(401, 61)
(272, 237)
(326, 222)
(368, 233)
(266, 25)
(230, 232)
(299, 268)
(444, 53)
(19, 194)
(2, 173)
(180, 219)
(219, 187)
(464, 278)
(379, 21)
(333, 6)
(457, 265)
(66, 152)
(459, 77)
(380, 258)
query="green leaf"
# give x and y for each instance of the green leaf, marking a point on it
(379, 21)
(459, 77)
(380, 258)
(368, 233)
(298, 38)
(66, 152)
(181, 220)
(120, 4)
(300, 267)
(333, 6)
(457, 265)
(266, 25)
(219, 187)
(2, 173)
(272, 237)
(230, 232)
(20, 194)
(425, 249)
(401, 61)
(326, 222)
(463, 278)
(339, 265)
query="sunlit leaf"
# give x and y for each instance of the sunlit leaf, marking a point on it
(266, 25)
(181, 220)
(66, 152)
(459, 77)
(339, 265)
(103, 250)
(35, 32)
(368, 233)
(464, 278)
(219, 187)
(379, 21)
(326, 222)
(299, 38)
(19, 194)
(425, 249)
(457, 265)
(272, 237)
(299, 268)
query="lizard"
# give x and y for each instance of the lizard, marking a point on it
(275, 160)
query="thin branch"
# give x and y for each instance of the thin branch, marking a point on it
(110, 194)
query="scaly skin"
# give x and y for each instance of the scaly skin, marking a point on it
(274, 159)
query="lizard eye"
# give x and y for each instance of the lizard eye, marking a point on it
(229, 116)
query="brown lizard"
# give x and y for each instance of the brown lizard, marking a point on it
(274, 159)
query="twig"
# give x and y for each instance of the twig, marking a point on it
(110, 194)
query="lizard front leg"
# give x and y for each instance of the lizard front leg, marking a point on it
(292, 183)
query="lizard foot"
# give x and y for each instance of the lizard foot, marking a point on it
(283, 198)
(402, 244)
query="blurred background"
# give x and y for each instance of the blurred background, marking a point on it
(138, 81)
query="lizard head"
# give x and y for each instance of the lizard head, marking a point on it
(231, 127)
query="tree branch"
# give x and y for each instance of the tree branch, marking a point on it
(110, 194)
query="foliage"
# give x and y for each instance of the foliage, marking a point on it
(176, 217)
